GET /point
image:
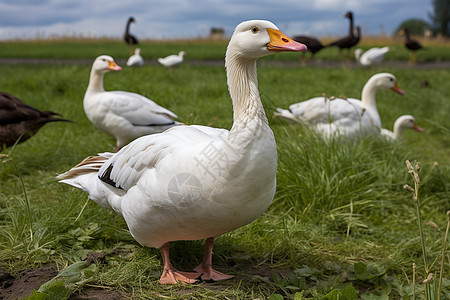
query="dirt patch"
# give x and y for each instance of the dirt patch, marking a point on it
(24, 283)
(98, 294)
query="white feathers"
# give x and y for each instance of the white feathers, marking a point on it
(370, 57)
(135, 59)
(123, 115)
(172, 60)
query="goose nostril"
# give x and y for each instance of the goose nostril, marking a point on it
(285, 40)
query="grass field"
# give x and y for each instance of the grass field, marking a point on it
(341, 224)
(435, 49)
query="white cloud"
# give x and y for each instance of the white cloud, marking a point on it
(191, 18)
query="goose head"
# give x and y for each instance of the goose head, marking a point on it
(137, 51)
(407, 122)
(181, 53)
(358, 53)
(385, 80)
(257, 38)
(349, 15)
(105, 63)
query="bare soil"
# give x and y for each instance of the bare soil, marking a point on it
(22, 285)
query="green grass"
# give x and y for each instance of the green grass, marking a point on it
(436, 50)
(340, 216)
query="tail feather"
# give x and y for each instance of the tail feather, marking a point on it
(84, 176)
(91, 164)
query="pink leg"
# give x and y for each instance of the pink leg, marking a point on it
(171, 275)
(209, 274)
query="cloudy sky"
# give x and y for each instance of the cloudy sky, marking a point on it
(158, 19)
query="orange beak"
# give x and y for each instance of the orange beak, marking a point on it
(417, 128)
(279, 42)
(398, 90)
(112, 66)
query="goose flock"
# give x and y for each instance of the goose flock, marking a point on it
(153, 177)
(347, 117)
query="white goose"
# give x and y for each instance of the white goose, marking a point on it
(370, 57)
(196, 182)
(135, 59)
(123, 115)
(343, 116)
(402, 122)
(172, 60)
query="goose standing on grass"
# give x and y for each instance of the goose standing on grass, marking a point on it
(343, 116)
(370, 57)
(123, 115)
(135, 59)
(411, 45)
(19, 121)
(351, 39)
(172, 60)
(130, 39)
(403, 122)
(168, 188)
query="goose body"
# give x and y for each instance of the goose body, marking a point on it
(343, 116)
(372, 56)
(412, 45)
(313, 44)
(402, 123)
(172, 60)
(196, 182)
(135, 59)
(123, 115)
(19, 121)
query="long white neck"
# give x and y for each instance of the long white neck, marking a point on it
(368, 101)
(95, 82)
(243, 87)
(398, 129)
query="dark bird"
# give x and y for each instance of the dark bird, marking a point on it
(19, 121)
(412, 45)
(351, 39)
(313, 44)
(130, 39)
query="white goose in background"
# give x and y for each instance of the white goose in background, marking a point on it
(343, 116)
(168, 187)
(172, 60)
(123, 115)
(402, 122)
(135, 59)
(370, 57)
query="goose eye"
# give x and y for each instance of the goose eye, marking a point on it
(391, 79)
(255, 29)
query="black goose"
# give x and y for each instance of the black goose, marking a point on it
(130, 39)
(350, 40)
(412, 45)
(19, 121)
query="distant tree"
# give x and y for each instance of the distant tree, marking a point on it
(440, 17)
(415, 26)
